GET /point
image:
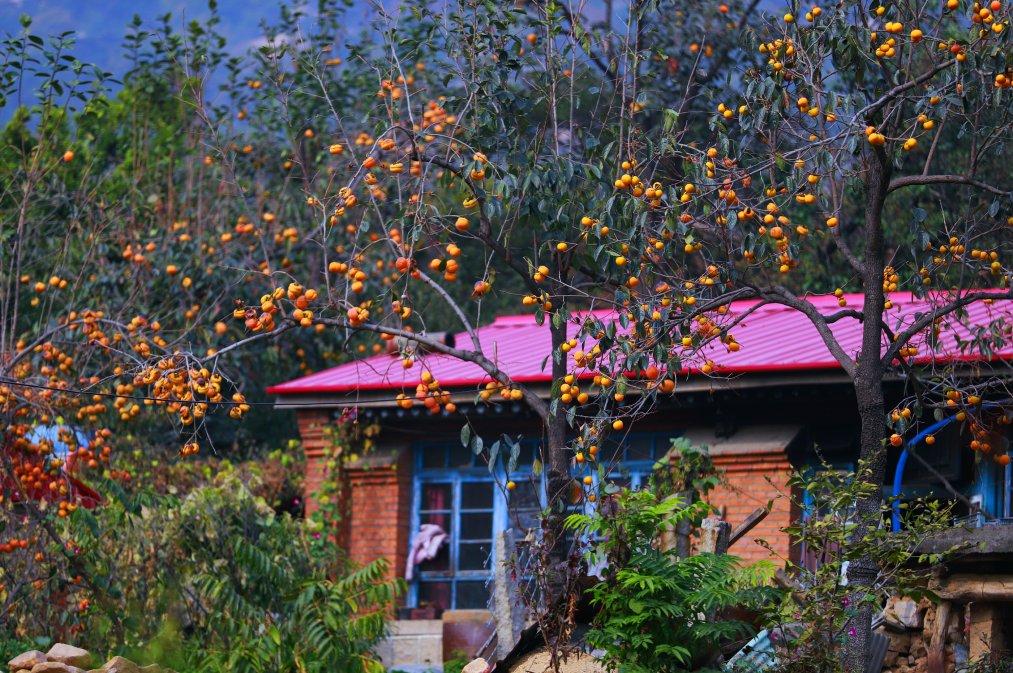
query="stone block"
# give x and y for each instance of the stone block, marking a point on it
(479, 665)
(405, 651)
(70, 655)
(26, 660)
(899, 642)
(430, 650)
(417, 627)
(909, 614)
(56, 667)
(120, 665)
(384, 651)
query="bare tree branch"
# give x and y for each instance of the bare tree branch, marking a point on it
(926, 319)
(781, 295)
(912, 180)
(537, 404)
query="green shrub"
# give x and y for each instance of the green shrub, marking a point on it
(658, 613)
(215, 581)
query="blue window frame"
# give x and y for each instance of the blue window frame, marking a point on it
(454, 489)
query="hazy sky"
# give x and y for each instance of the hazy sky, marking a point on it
(101, 24)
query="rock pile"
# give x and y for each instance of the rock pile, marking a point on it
(911, 626)
(62, 658)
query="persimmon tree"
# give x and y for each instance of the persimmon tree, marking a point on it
(166, 239)
(488, 136)
(857, 110)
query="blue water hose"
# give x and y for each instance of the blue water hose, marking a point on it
(898, 474)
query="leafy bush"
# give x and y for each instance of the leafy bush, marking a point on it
(215, 581)
(659, 613)
(997, 662)
(276, 477)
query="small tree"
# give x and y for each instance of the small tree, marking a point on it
(821, 604)
(656, 610)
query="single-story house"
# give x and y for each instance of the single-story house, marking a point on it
(780, 402)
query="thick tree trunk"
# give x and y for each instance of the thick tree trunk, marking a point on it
(871, 410)
(557, 464)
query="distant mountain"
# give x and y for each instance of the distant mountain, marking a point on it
(101, 24)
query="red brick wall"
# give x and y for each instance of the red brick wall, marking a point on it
(376, 496)
(748, 487)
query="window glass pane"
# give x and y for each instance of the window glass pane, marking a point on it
(611, 453)
(639, 448)
(473, 555)
(436, 496)
(529, 452)
(526, 495)
(526, 519)
(477, 494)
(441, 519)
(434, 457)
(460, 456)
(663, 445)
(525, 505)
(441, 563)
(435, 593)
(472, 595)
(476, 526)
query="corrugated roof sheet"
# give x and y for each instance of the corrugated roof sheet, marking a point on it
(774, 338)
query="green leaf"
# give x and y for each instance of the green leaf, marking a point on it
(515, 454)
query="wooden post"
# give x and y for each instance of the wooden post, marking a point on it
(714, 536)
(937, 648)
(758, 515)
(683, 529)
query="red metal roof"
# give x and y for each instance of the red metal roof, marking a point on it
(774, 338)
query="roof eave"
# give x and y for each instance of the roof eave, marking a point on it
(384, 398)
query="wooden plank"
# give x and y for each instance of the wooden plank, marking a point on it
(970, 588)
(756, 517)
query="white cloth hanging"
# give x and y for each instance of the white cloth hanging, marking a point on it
(424, 547)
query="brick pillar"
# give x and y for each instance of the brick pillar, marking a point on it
(312, 423)
(379, 507)
(376, 494)
(747, 474)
